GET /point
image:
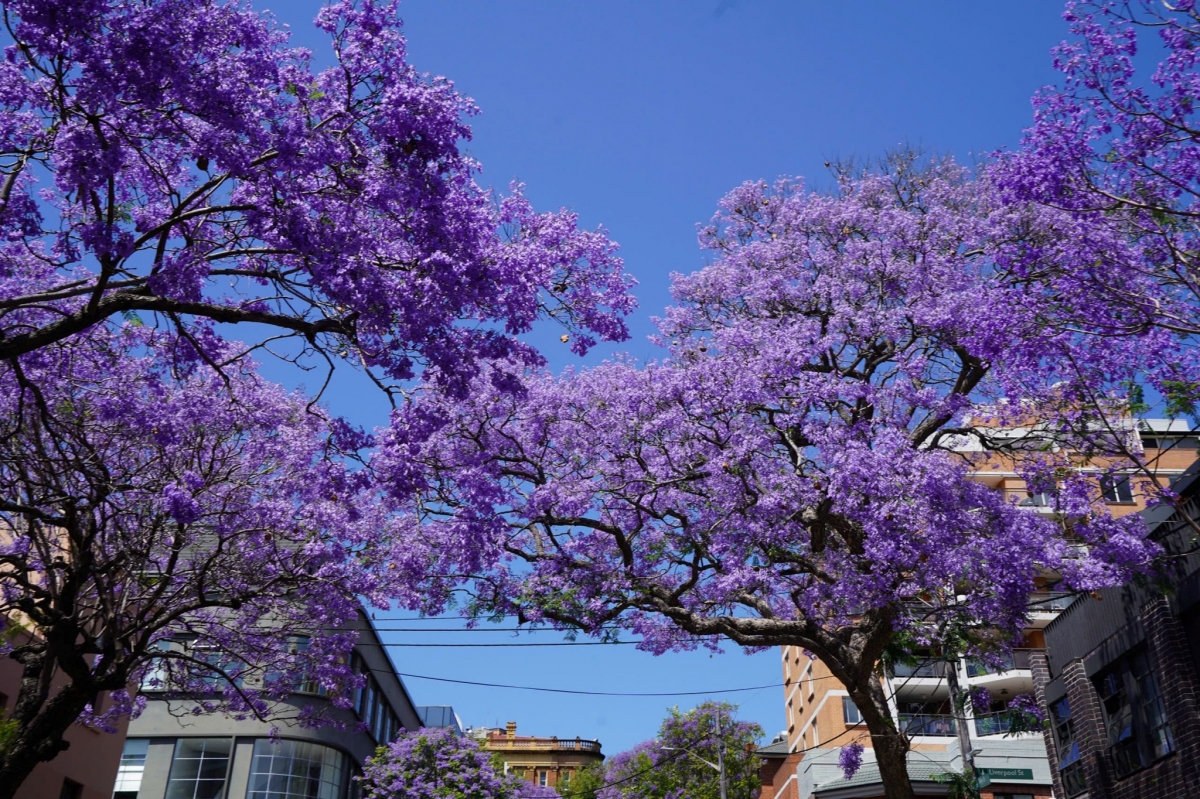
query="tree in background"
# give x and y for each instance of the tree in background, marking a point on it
(586, 783)
(796, 470)
(439, 763)
(680, 761)
(165, 524)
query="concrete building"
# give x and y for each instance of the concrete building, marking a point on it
(1119, 676)
(543, 761)
(89, 766)
(821, 718)
(175, 752)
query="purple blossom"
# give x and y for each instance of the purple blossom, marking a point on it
(981, 700)
(850, 759)
(1027, 705)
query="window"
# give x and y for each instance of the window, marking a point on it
(1069, 765)
(295, 770)
(850, 711)
(1012, 796)
(543, 778)
(129, 772)
(566, 778)
(199, 768)
(1134, 714)
(70, 790)
(1154, 712)
(1116, 489)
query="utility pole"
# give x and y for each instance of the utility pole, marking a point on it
(721, 757)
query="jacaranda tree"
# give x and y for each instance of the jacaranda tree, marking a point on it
(678, 762)
(177, 160)
(433, 763)
(1114, 148)
(170, 169)
(165, 524)
(796, 470)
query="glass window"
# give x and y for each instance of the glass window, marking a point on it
(1070, 767)
(1154, 712)
(295, 770)
(543, 778)
(1134, 714)
(850, 711)
(129, 772)
(199, 768)
(1116, 489)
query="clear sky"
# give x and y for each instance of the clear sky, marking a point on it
(639, 116)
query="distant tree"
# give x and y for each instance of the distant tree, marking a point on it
(797, 470)
(676, 764)
(585, 784)
(439, 763)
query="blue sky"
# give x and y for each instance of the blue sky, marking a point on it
(639, 116)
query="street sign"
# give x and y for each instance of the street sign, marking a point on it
(1002, 774)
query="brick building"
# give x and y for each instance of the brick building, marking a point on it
(1119, 676)
(550, 761)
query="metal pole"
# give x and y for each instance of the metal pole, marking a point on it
(721, 757)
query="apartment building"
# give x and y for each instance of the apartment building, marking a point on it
(821, 718)
(1118, 680)
(551, 762)
(174, 750)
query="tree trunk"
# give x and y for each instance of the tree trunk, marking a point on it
(41, 739)
(890, 744)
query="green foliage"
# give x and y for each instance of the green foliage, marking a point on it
(8, 733)
(681, 761)
(586, 783)
(959, 786)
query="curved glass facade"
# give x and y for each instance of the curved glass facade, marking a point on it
(295, 770)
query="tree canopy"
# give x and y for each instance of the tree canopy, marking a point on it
(439, 763)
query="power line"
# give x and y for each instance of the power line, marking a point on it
(511, 644)
(597, 693)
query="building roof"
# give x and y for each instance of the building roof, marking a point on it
(867, 780)
(774, 749)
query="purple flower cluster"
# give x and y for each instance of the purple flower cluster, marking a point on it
(850, 759)
(439, 763)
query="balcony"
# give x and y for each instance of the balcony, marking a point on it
(1051, 602)
(927, 724)
(993, 724)
(541, 744)
(1017, 659)
(922, 670)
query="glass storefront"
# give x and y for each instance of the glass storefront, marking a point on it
(200, 768)
(295, 770)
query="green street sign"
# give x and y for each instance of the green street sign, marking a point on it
(982, 781)
(1001, 774)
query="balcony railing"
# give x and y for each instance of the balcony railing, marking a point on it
(573, 744)
(993, 724)
(1017, 659)
(1050, 602)
(927, 724)
(921, 669)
